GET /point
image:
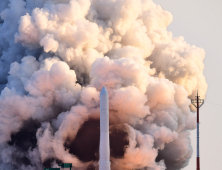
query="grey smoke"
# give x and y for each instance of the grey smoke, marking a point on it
(56, 55)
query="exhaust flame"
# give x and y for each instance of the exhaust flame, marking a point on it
(55, 58)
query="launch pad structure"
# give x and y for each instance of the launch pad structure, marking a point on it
(197, 103)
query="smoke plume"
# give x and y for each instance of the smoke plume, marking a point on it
(56, 55)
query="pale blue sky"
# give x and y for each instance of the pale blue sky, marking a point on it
(200, 23)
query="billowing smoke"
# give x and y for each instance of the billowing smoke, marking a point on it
(56, 55)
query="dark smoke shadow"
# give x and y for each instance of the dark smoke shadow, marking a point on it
(48, 163)
(23, 141)
(91, 167)
(119, 140)
(86, 144)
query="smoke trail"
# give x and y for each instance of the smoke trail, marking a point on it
(56, 55)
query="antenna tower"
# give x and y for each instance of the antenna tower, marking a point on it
(197, 103)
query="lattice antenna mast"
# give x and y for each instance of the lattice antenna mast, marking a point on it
(197, 103)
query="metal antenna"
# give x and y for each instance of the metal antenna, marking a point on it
(197, 103)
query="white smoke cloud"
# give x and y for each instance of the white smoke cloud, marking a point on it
(55, 58)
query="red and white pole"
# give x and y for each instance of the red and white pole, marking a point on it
(198, 151)
(197, 103)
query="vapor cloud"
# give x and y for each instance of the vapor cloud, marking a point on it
(56, 55)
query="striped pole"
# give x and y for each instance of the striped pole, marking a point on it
(198, 150)
(198, 103)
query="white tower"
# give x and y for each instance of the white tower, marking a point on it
(104, 147)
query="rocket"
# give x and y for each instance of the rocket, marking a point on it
(104, 147)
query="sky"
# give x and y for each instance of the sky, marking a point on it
(200, 23)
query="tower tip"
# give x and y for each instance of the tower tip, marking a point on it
(104, 91)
